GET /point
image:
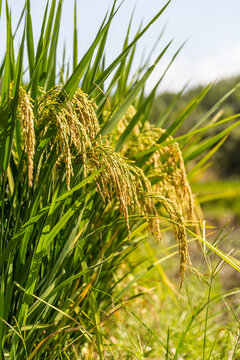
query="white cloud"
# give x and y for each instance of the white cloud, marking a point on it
(224, 63)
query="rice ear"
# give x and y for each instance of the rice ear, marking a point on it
(27, 120)
(76, 127)
(176, 218)
(166, 169)
(124, 181)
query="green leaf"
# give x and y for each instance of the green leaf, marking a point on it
(12, 119)
(45, 241)
(19, 21)
(205, 145)
(124, 53)
(75, 38)
(35, 78)
(92, 73)
(215, 107)
(47, 36)
(2, 307)
(123, 69)
(203, 161)
(162, 118)
(227, 258)
(144, 156)
(79, 186)
(187, 111)
(72, 83)
(122, 108)
(136, 118)
(191, 134)
(30, 43)
(51, 66)
(7, 78)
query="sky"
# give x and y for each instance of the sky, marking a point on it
(211, 29)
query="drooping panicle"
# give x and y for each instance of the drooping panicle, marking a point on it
(26, 115)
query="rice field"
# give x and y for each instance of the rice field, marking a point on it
(104, 248)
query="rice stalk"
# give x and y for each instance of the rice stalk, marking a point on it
(75, 127)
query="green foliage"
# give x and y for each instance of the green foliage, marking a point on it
(226, 160)
(73, 208)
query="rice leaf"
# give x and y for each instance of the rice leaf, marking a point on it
(12, 120)
(7, 78)
(75, 38)
(30, 43)
(203, 161)
(47, 36)
(72, 83)
(136, 118)
(112, 122)
(205, 145)
(187, 111)
(45, 242)
(215, 107)
(51, 66)
(34, 80)
(124, 53)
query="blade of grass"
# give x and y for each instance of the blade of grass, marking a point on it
(180, 139)
(147, 102)
(114, 119)
(161, 120)
(75, 38)
(229, 259)
(124, 53)
(30, 43)
(136, 118)
(72, 83)
(203, 161)
(51, 66)
(47, 36)
(190, 135)
(100, 53)
(209, 142)
(144, 156)
(15, 93)
(190, 107)
(215, 107)
(7, 78)
(34, 80)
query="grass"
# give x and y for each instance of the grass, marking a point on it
(174, 320)
(86, 183)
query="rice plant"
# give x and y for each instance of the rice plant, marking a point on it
(84, 180)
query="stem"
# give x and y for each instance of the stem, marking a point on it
(4, 178)
(206, 318)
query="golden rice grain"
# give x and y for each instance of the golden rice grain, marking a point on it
(25, 111)
(75, 127)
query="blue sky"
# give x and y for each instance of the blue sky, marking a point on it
(211, 28)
